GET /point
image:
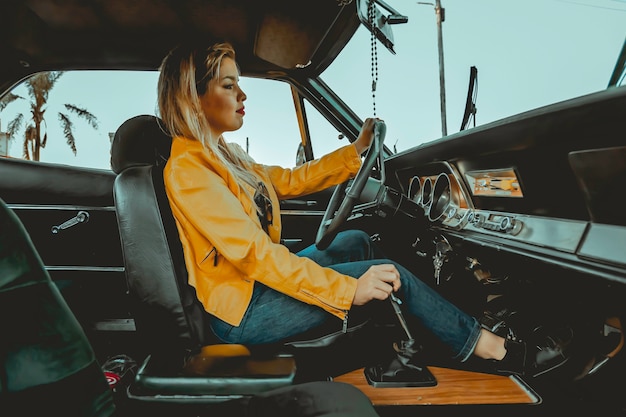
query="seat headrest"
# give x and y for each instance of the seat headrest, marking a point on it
(140, 140)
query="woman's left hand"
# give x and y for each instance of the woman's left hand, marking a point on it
(363, 142)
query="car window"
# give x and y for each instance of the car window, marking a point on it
(110, 97)
(270, 132)
(324, 137)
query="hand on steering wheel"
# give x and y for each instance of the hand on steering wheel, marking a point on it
(331, 222)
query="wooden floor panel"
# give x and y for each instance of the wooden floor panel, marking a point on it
(453, 387)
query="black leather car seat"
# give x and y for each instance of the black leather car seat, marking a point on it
(46, 360)
(170, 319)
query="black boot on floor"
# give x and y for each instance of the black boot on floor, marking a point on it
(544, 352)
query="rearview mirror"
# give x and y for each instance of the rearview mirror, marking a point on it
(380, 24)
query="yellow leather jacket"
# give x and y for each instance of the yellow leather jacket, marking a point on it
(225, 247)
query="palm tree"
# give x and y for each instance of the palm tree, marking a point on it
(38, 88)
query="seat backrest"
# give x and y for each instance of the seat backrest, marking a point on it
(46, 361)
(167, 313)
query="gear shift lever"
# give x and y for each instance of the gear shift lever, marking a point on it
(401, 372)
(395, 302)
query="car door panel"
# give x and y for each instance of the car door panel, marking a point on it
(70, 217)
(301, 218)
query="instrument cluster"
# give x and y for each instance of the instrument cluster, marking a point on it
(442, 199)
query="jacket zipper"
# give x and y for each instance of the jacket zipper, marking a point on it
(344, 328)
(215, 258)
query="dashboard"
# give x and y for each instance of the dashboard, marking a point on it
(447, 197)
(546, 184)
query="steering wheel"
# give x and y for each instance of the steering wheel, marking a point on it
(333, 217)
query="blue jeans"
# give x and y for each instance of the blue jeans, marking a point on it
(273, 316)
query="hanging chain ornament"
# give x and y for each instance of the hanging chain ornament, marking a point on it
(371, 13)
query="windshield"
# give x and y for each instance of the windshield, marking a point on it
(526, 54)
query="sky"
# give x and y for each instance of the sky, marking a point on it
(528, 53)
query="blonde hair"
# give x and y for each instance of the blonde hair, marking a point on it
(185, 74)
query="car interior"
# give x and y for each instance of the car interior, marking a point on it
(518, 222)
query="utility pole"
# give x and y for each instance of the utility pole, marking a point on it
(441, 17)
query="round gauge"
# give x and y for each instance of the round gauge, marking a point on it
(415, 190)
(427, 188)
(441, 197)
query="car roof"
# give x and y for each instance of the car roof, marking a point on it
(271, 36)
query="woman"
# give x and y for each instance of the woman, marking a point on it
(227, 212)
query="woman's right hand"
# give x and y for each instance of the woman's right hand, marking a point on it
(363, 142)
(376, 283)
